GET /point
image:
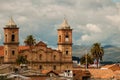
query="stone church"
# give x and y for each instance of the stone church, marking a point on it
(41, 57)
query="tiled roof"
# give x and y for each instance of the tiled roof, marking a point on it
(108, 66)
(4, 66)
(1, 50)
(11, 22)
(117, 74)
(30, 72)
(101, 73)
(45, 71)
(78, 74)
(65, 25)
(23, 47)
(113, 67)
(49, 71)
(38, 78)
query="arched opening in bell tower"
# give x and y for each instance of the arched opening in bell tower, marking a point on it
(66, 38)
(5, 37)
(13, 37)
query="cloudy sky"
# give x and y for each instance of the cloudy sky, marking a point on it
(92, 20)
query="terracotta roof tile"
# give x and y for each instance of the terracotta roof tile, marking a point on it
(117, 74)
(1, 50)
(101, 73)
(113, 67)
(78, 74)
(23, 47)
(45, 71)
(108, 66)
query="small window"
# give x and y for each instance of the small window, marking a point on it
(6, 52)
(54, 67)
(59, 38)
(54, 57)
(13, 52)
(26, 56)
(40, 67)
(6, 38)
(13, 37)
(74, 74)
(66, 52)
(40, 57)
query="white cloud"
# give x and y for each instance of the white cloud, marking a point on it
(0, 36)
(115, 19)
(93, 28)
(22, 19)
(85, 37)
(91, 20)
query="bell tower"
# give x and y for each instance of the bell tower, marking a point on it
(65, 41)
(11, 41)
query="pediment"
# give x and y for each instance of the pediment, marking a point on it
(41, 44)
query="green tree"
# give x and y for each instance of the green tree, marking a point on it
(88, 57)
(21, 60)
(97, 52)
(30, 41)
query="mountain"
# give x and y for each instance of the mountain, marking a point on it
(111, 53)
(108, 46)
(75, 58)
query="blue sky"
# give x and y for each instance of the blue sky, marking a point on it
(92, 20)
(116, 0)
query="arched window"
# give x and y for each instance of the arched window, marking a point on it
(59, 38)
(40, 57)
(40, 67)
(13, 37)
(54, 67)
(6, 38)
(66, 52)
(5, 52)
(66, 38)
(54, 57)
(13, 52)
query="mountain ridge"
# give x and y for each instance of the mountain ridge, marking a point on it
(111, 52)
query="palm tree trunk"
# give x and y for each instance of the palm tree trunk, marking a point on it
(30, 47)
(97, 63)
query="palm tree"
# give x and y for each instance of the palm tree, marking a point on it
(97, 52)
(30, 41)
(89, 59)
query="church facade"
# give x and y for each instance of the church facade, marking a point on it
(40, 57)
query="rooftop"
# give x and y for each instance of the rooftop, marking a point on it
(65, 25)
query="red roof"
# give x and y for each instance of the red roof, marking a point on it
(23, 47)
(101, 73)
(1, 50)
